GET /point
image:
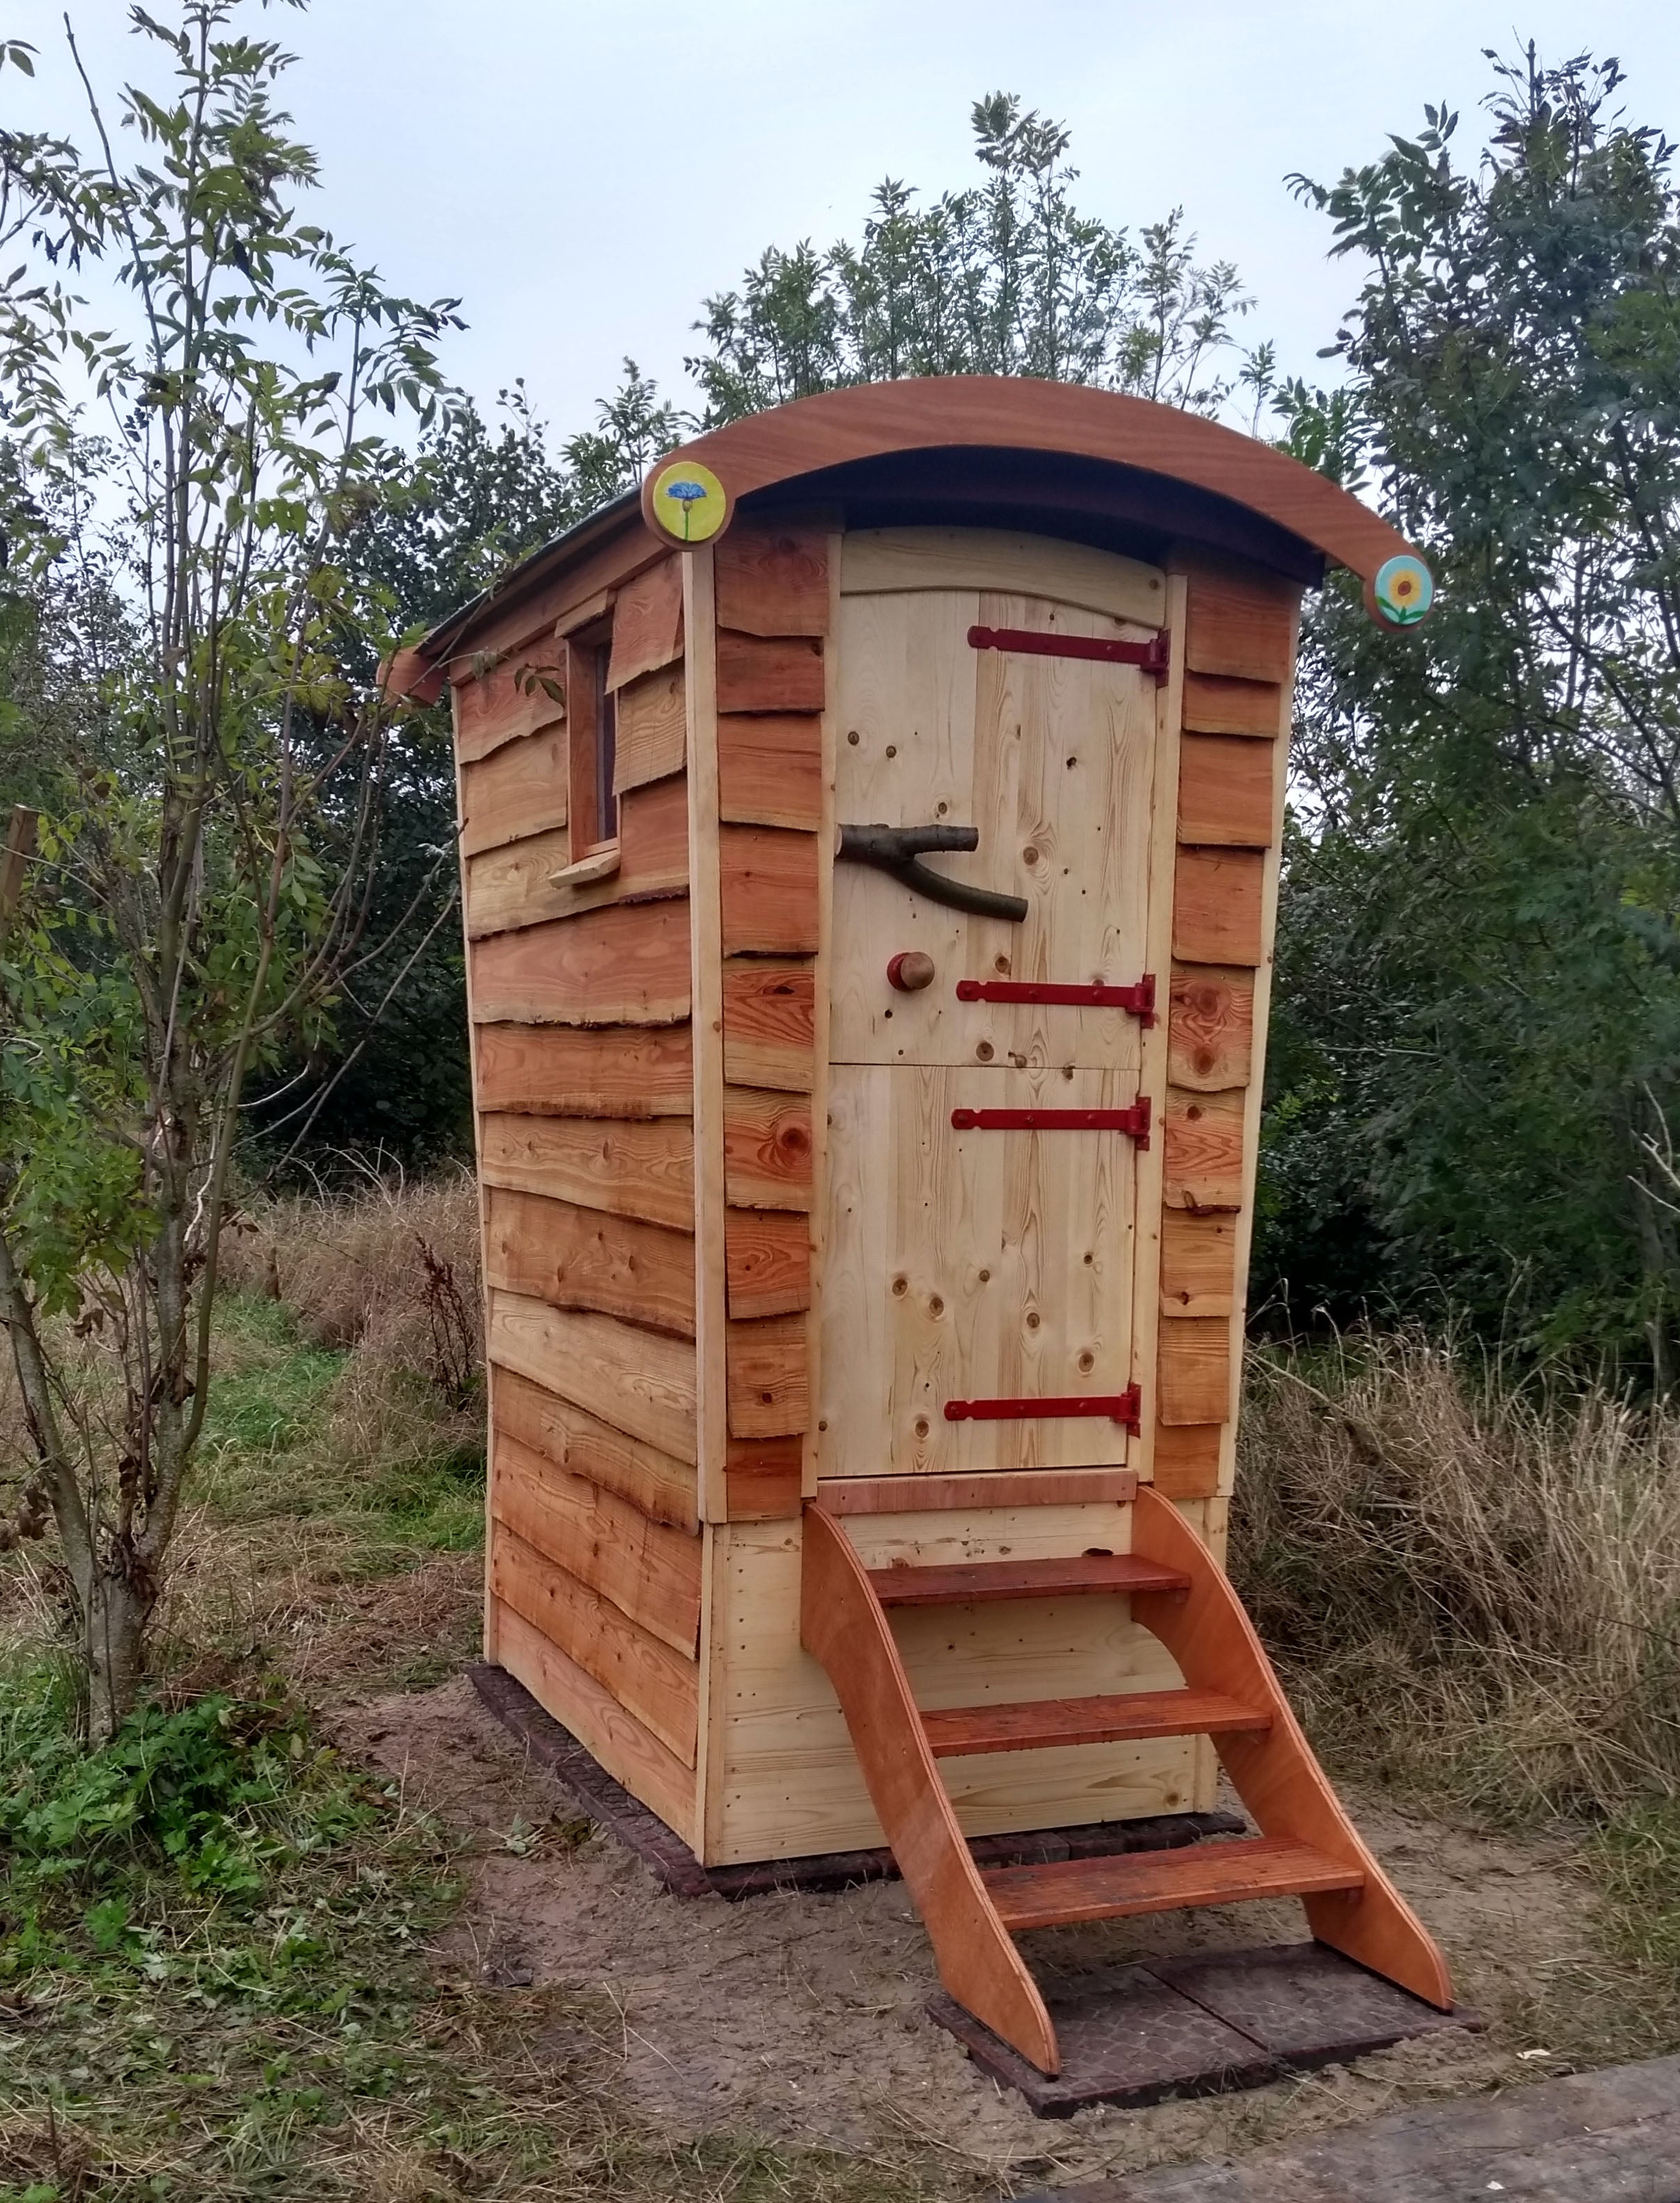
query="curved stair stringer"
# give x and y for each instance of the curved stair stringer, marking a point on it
(842, 1623)
(1275, 1774)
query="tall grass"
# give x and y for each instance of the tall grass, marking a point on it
(390, 1273)
(1473, 1585)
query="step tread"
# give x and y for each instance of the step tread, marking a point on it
(1066, 1890)
(956, 1730)
(955, 1583)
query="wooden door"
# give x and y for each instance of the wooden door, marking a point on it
(961, 1263)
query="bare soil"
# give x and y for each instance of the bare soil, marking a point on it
(800, 2017)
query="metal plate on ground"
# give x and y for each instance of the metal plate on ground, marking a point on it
(1200, 2026)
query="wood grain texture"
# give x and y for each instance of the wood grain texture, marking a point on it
(1225, 791)
(1202, 1138)
(1210, 1026)
(766, 673)
(1217, 906)
(1275, 1775)
(658, 1685)
(842, 1623)
(1193, 1371)
(650, 736)
(1018, 415)
(960, 1731)
(626, 1071)
(773, 579)
(625, 965)
(876, 561)
(516, 885)
(762, 1478)
(1062, 1891)
(630, 1753)
(973, 1263)
(510, 699)
(769, 1394)
(767, 1150)
(1239, 624)
(711, 1374)
(770, 769)
(655, 1484)
(582, 1258)
(644, 1170)
(1037, 1487)
(767, 1261)
(1186, 1460)
(792, 1783)
(1197, 1264)
(1051, 760)
(647, 623)
(769, 1023)
(768, 885)
(649, 1570)
(638, 1381)
(1214, 706)
(519, 789)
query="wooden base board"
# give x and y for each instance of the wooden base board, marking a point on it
(1201, 2026)
(663, 1852)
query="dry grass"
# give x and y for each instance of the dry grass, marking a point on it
(354, 1269)
(1475, 1587)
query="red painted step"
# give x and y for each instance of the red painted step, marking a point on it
(1058, 1579)
(958, 1730)
(1066, 1890)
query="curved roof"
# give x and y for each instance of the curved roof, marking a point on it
(872, 420)
(1055, 458)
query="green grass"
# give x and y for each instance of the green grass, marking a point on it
(1636, 1860)
(214, 1984)
(269, 1455)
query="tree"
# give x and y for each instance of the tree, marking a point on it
(212, 784)
(1006, 278)
(1479, 1028)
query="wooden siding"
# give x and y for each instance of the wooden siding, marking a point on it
(1239, 656)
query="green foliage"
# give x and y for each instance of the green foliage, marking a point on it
(203, 1792)
(213, 779)
(1005, 278)
(1479, 1022)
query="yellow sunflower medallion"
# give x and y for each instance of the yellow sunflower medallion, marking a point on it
(1402, 590)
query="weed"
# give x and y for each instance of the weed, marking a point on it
(1475, 1589)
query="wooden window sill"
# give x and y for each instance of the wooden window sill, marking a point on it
(598, 865)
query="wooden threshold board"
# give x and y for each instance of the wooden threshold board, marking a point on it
(1032, 1487)
(1092, 1573)
(1028, 1726)
(1115, 1888)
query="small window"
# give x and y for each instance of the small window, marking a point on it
(592, 729)
(606, 747)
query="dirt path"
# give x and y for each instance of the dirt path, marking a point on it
(800, 2017)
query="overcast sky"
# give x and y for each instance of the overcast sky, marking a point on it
(582, 176)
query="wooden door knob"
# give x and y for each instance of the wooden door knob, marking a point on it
(910, 971)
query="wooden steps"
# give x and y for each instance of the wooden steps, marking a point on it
(1087, 1573)
(1307, 1847)
(1067, 1890)
(960, 1730)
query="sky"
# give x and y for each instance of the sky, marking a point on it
(582, 177)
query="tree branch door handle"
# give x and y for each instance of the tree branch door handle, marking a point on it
(898, 850)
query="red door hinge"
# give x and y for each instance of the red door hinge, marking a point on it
(1135, 1121)
(1152, 656)
(1125, 1407)
(1139, 998)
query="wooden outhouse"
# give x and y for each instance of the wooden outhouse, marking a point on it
(870, 844)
